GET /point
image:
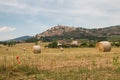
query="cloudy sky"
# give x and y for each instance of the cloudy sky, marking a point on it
(29, 17)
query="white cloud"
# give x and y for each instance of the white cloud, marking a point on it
(7, 29)
(39, 15)
(86, 11)
(63, 7)
(18, 7)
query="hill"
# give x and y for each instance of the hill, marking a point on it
(56, 31)
(67, 32)
(21, 38)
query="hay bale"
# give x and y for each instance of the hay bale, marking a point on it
(104, 46)
(61, 49)
(24, 49)
(36, 49)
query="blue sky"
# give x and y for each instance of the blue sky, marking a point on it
(30, 17)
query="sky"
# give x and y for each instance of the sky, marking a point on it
(30, 17)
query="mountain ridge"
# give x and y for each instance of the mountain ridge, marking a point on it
(22, 38)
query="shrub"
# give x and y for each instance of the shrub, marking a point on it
(11, 43)
(84, 44)
(53, 45)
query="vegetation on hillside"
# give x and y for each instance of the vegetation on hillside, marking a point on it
(108, 33)
(32, 39)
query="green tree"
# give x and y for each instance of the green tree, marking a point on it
(53, 45)
(11, 43)
(84, 44)
(32, 39)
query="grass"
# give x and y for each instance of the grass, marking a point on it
(52, 64)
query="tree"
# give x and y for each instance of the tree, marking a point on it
(32, 39)
(11, 43)
(53, 45)
(84, 44)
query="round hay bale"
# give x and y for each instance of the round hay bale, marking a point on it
(104, 46)
(24, 49)
(61, 49)
(36, 49)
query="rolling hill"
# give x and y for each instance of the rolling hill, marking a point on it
(67, 32)
(21, 38)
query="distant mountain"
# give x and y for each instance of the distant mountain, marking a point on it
(66, 32)
(21, 38)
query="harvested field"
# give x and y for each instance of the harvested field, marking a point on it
(52, 64)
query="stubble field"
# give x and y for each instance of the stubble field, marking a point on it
(20, 63)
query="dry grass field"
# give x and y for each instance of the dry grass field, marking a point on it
(17, 63)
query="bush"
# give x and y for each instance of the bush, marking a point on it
(11, 43)
(91, 45)
(116, 44)
(52, 45)
(84, 44)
